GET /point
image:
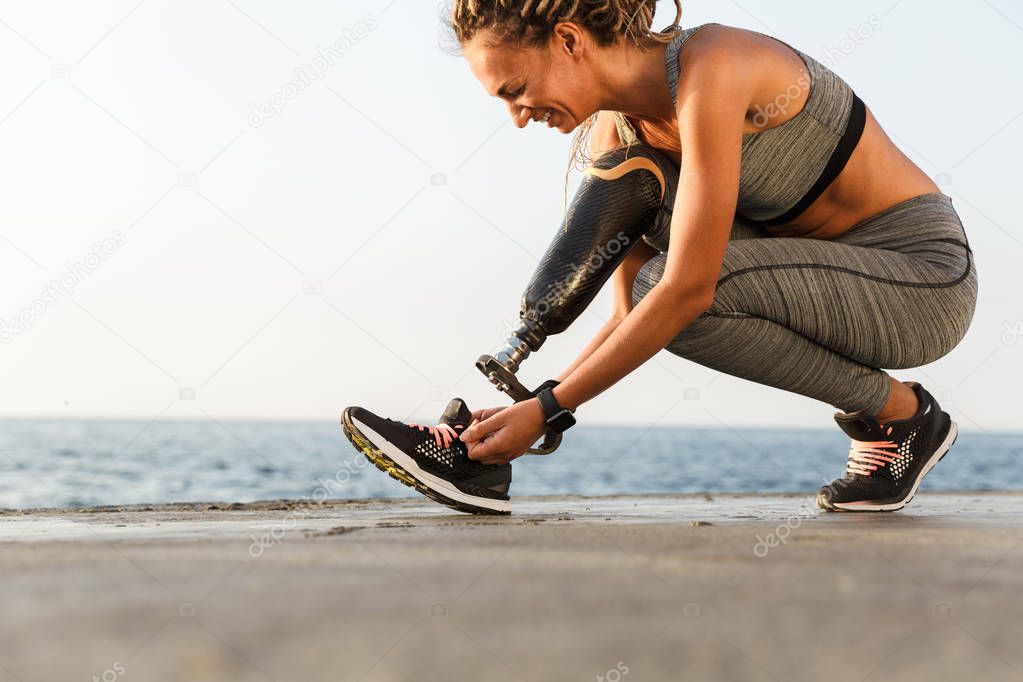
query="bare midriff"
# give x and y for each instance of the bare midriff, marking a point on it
(877, 176)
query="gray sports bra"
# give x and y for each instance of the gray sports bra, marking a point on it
(785, 168)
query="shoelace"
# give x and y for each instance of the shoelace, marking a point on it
(867, 456)
(439, 431)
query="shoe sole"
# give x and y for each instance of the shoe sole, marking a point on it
(939, 454)
(404, 469)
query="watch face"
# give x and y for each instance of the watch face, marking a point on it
(561, 421)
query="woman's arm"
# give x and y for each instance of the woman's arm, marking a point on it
(593, 345)
(714, 95)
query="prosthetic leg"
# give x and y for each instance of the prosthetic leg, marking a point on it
(626, 193)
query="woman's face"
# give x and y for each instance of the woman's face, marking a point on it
(533, 81)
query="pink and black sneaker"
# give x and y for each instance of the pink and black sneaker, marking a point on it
(432, 459)
(888, 460)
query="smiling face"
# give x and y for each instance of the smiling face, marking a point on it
(557, 78)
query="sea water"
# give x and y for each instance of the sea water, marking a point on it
(57, 463)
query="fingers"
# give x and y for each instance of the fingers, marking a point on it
(487, 412)
(490, 448)
(483, 413)
(479, 437)
(478, 449)
(472, 432)
(493, 448)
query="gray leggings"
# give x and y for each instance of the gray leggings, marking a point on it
(819, 317)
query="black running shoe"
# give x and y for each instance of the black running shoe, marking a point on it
(888, 460)
(432, 459)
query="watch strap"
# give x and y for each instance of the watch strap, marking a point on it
(550, 383)
(549, 403)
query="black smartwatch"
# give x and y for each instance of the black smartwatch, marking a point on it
(558, 418)
(550, 383)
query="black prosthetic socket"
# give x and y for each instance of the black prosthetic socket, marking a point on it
(627, 193)
(624, 194)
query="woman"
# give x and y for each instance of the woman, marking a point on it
(805, 251)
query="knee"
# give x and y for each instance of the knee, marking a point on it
(703, 331)
(648, 276)
(969, 300)
(944, 329)
(960, 311)
(737, 252)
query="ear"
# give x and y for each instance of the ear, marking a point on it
(568, 34)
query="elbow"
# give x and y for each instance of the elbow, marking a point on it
(689, 300)
(704, 301)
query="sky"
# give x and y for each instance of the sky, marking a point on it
(186, 234)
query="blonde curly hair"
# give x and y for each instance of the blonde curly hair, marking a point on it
(530, 23)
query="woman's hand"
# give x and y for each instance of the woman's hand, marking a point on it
(480, 415)
(504, 433)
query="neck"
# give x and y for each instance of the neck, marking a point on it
(635, 82)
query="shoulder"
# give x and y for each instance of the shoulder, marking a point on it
(720, 59)
(717, 46)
